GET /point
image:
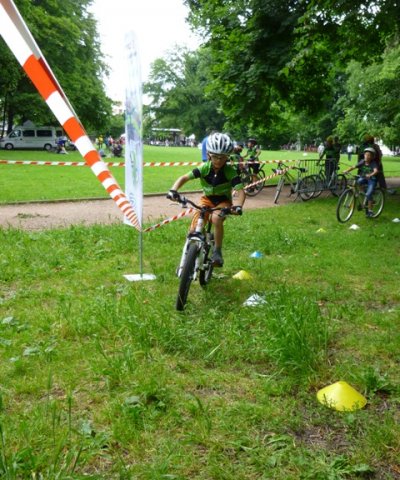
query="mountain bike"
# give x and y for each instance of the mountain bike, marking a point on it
(303, 187)
(336, 183)
(196, 260)
(354, 197)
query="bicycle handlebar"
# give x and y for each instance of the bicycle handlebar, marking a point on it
(223, 210)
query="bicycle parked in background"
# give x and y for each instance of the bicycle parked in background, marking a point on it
(336, 183)
(303, 187)
(197, 252)
(353, 197)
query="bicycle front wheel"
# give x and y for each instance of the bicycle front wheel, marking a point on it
(187, 276)
(378, 202)
(257, 180)
(345, 206)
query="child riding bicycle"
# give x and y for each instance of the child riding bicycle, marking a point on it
(253, 154)
(217, 179)
(369, 169)
(236, 157)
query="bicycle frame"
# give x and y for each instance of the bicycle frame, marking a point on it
(296, 184)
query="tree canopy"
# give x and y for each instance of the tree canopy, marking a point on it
(177, 88)
(271, 60)
(66, 33)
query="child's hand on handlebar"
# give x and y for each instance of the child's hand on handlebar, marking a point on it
(174, 196)
(237, 210)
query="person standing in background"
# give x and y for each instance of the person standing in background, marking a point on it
(349, 150)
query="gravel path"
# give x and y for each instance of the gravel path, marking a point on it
(46, 215)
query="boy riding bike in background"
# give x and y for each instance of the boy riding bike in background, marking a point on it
(369, 169)
(236, 157)
(217, 179)
(252, 155)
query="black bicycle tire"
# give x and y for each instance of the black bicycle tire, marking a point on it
(250, 180)
(246, 180)
(279, 189)
(205, 275)
(306, 192)
(342, 181)
(381, 194)
(347, 201)
(186, 276)
(319, 185)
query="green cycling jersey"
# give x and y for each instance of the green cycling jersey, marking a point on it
(218, 183)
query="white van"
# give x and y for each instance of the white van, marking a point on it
(31, 137)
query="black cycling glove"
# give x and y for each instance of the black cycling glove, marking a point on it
(173, 195)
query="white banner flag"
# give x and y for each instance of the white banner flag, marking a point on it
(133, 129)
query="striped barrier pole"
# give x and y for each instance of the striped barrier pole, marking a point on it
(22, 44)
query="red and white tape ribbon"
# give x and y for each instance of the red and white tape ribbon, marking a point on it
(273, 175)
(169, 220)
(116, 164)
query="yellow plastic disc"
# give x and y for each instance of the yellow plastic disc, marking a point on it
(341, 396)
(242, 275)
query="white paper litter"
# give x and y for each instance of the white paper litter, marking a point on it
(254, 300)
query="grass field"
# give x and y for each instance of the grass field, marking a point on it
(103, 379)
(31, 182)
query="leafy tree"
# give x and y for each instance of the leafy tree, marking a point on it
(66, 33)
(372, 100)
(177, 86)
(268, 53)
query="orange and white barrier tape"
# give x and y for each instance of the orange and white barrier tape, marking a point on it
(169, 220)
(22, 44)
(116, 164)
(83, 164)
(268, 177)
(43, 163)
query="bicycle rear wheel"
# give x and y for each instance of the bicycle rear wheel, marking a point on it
(187, 276)
(378, 202)
(306, 187)
(345, 206)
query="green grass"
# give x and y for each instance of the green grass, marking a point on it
(103, 379)
(30, 182)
